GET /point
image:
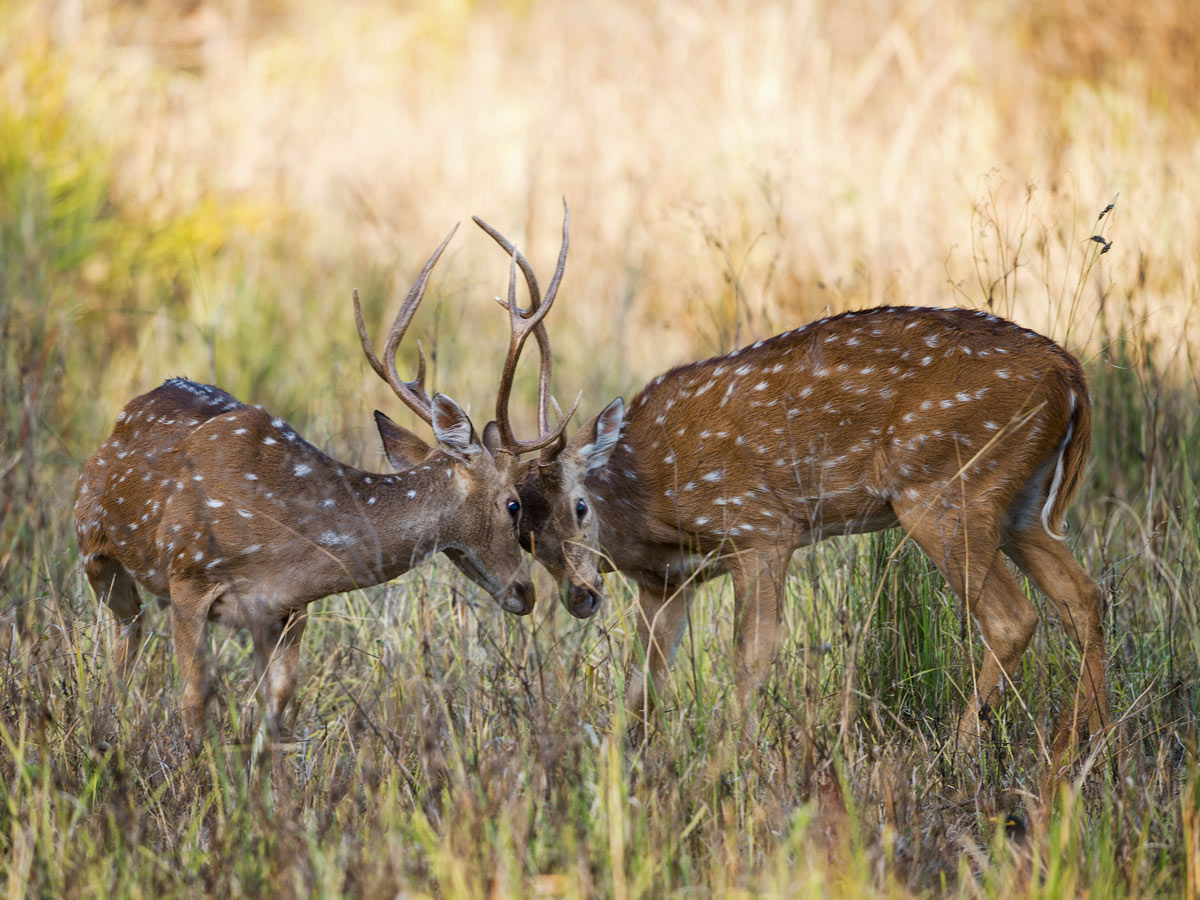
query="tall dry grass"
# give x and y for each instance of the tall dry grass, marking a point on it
(194, 188)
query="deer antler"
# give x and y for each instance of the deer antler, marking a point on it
(412, 393)
(522, 322)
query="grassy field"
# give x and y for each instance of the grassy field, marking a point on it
(194, 188)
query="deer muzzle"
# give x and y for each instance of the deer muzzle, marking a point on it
(582, 601)
(518, 599)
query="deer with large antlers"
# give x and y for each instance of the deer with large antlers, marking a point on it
(230, 516)
(966, 430)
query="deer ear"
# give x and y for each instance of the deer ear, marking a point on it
(453, 429)
(595, 441)
(402, 448)
(491, 438)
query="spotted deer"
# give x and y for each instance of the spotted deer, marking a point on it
(231, 516)
(969, 432)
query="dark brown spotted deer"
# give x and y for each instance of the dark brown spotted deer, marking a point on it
(230, 516)
(966, 430)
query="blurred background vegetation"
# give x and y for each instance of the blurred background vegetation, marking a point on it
(194, 187)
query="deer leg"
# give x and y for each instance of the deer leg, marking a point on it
(968, 559)
(1080, 602)
(189, 621)
(116, 589)
(277, 662)
(758, 578)
(661, 615)
(1007, 620)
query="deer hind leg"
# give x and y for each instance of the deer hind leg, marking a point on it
(1080, 602)
(117, 590)
(970, 562)
(189, 622)
(758, 580)
(277, 664)
(661, 616)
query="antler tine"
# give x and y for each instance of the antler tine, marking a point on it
(562, 256)
(504, 389)
(543, 338)
(515, 342)
(521, 323)
(535, 294)
(411, 393)
(366, 341)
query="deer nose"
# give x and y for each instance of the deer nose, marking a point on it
(582, 602)
(520, 598)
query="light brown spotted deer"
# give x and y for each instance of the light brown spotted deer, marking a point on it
(966, 430)
(230, 516)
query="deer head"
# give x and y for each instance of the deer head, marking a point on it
(558, 524)
(489, 492)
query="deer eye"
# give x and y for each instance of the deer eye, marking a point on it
(580, 509)
(514, 509)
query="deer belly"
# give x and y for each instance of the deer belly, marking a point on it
(240, 609)
(676, 566)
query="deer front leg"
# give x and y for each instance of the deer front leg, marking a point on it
(116, 589)
(277, 663)
(758, 578)
(661, 615)
(189, 620)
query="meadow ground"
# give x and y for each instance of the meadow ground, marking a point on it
(194, 188)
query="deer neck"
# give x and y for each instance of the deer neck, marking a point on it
(619, 499)
(399, 519)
